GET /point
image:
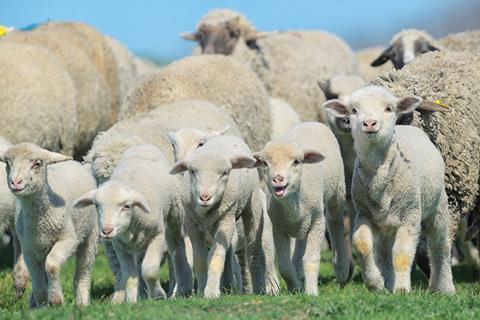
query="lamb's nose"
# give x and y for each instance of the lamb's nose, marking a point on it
(205, 196)
(278, 179)
(369, 123)
(107, 230)
(16, 182)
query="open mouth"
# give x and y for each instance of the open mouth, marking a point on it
(279, 191)
(18, 190)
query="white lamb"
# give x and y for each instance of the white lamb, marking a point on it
(49, 228)
(306, 179)
(398, 192)
(139, 209)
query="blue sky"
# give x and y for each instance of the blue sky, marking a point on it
(150, 28)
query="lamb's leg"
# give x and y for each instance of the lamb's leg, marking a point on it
(151, 266)
(348, 227)
(403, 253)
(466, 247)
(311, 257)
(439, 247)
(84, 264)
(114, 264)
(216, 257)
(363, 242)
(20, 272)
(200, 254)
(341, 262)
(382, 248)
(59, 253)
(245, 270)
(228, 284)
(181, 266)
(130, 281)
(39, 280)
(285, 264)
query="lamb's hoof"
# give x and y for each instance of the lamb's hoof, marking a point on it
(375, 284)
(55, 299)
(118, 297)
(450, 290)
(211, 294)
(19, 291)
(401, 290)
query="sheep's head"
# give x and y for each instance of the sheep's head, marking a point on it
(405, 46)
(220, 31)
(209, 172)
(285, 163)
(186, 140)
(26, 166)
(373, 112)
(115, 203)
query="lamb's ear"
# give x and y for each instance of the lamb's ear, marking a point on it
(178, 167)
(384, 57)
(191, 36)
(436, 106)
(312, 156)
(221, 130)
(252, 37)
(54, 157)
(171, 136)
(85, 200)
(337, 108)
(241, 161)
(140, 201)
(408, 104)
(432, 48)
(259, 161)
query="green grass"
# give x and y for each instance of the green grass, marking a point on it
(352, 302)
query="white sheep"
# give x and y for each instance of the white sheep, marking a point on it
(398, 191)
(284, 117)
(222, 191)
(306, 180)
(140, 210)
(50, 230)
(289, 64)
(365, 57)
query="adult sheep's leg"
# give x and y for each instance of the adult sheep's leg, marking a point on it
(114, 264)
(130, 281)
(20, 271)
(311, 257)
(439, 247)
(216, 257)
(403, 254)
(341, 262)
(363, 242)
(39, 280)
(59, 253)
(84, 264)
(151, 266)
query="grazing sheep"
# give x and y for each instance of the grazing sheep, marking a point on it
(398, 191)
(7, 223)
(216, 79)
(289, 64)
(283, 116)
(37, 98)
(306, 180)
(223, 191)
(49, 229)
(365, 57)
(139, 209)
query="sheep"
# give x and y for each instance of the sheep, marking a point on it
(139, 210)
(307, 186)
(405, 46)
(78, 48)
(283, 116)
(365, 57)
(289, 64)
(7, 223)
(467, 40)
(217, 79)
(50, 230)
(222, 191)
(398, 192)
(37, 98)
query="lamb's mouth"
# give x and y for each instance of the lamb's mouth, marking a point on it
(279, 191)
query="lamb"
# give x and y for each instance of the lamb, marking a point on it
(216, 79)
(45, 113)
(398, 191)
(223, 191)
(139, 209)
(289, 64)
(50, 230)
(7, 223)
(283, 116)
(365, 57)
(306, 180)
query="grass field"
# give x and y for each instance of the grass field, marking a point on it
(352, 302)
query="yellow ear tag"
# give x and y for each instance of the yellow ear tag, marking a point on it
(4, 30)
(438, 102)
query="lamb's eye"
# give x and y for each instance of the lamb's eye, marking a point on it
(201, 143)
(354, 111)
(37, 164)
(388, 109)
(127, 207)
(296, 163)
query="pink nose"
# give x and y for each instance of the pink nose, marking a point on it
(16, 183)
(107, 230)
(278, 179)
(369, 124)
(205, 196)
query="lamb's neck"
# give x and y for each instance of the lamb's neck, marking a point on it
(372, 156)
(37, 204)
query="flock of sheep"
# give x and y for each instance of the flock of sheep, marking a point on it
(205, 163)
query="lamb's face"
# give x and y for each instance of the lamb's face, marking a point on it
(285, 162)
(218, 39)
(184, 141)
(115, 204)
(373, 112)
(26, 168)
